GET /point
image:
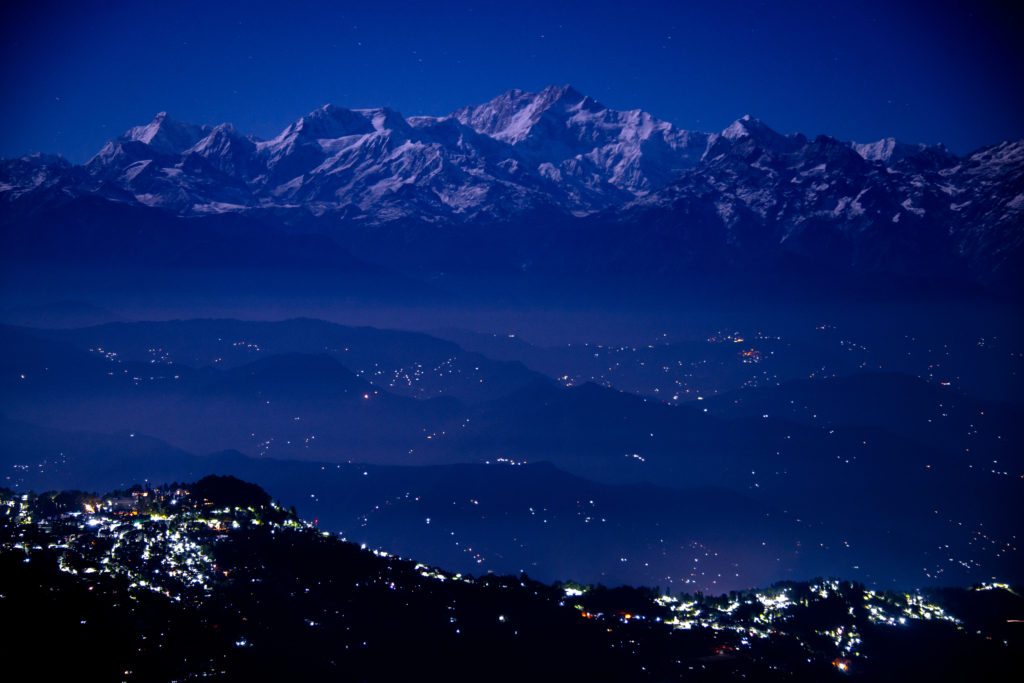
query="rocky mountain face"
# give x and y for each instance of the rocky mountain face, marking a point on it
(743, 194)
(884, 207)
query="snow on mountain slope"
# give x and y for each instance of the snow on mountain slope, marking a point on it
(890, 151)
(20, 178)
(572, 138)
(885, 205)
(165, 135)
(839, 205)
(986, 194)
(228, 151)
(556, 149)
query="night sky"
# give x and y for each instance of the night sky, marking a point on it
(75, 74)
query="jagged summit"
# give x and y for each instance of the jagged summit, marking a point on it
(890, 151)
(161, 137)
(227, 150)
(744, 126)
(571, 138)
(329, 121)
(511, 116)
(748, 129)
(880, 150)
(167, 135)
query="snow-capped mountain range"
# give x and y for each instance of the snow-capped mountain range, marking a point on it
(885, 205)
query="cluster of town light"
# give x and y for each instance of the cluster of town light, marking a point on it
(775, 607)
(164, 550)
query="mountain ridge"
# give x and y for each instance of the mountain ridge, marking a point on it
(552, 158)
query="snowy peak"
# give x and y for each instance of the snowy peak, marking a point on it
(220, 140)
(329, 122)
(383, 119)
(568, 99)
(161, 137)
(885, 150)
(572, 139)
(227, 150)
(746, 126)
(747, 130)
(511, 116)
(321, 131)
(891, 151)
(508, 117)
(166, 135)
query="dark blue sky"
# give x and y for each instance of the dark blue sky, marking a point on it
(74, 74)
